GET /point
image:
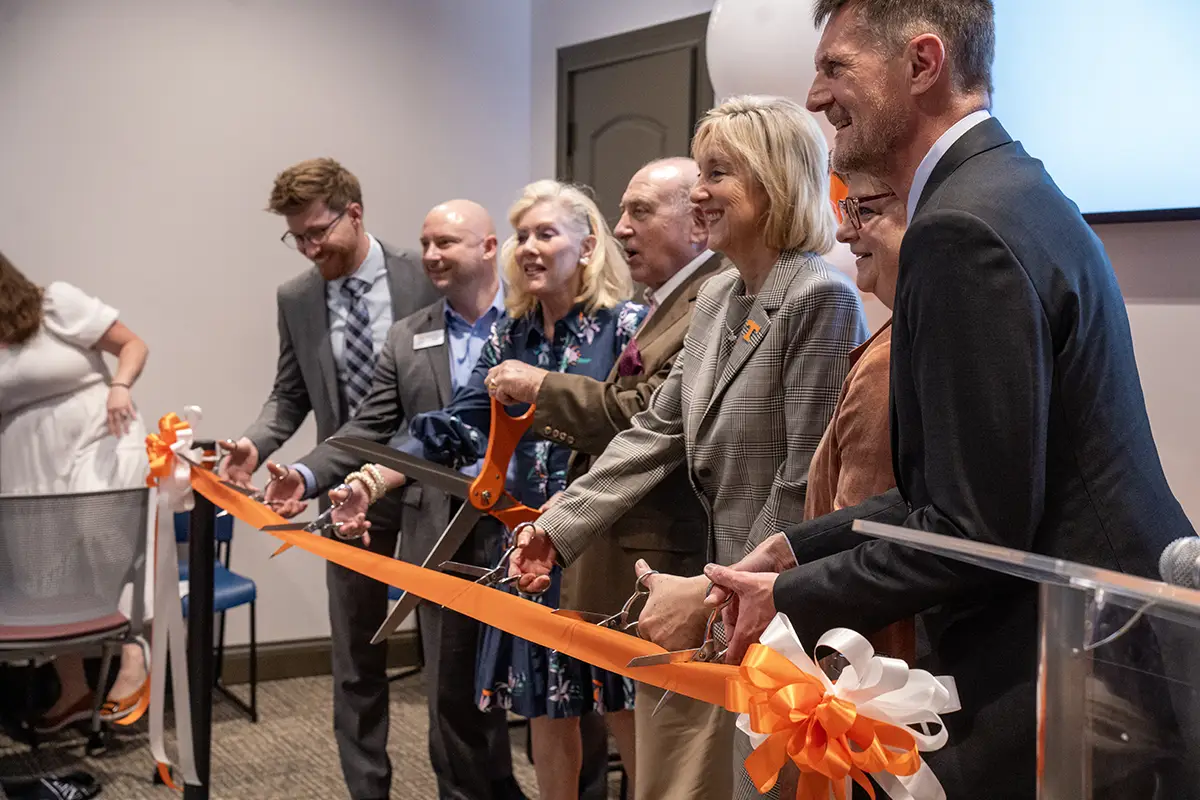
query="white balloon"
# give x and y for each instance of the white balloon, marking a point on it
(763, 47)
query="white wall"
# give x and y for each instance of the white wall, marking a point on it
(139, 142)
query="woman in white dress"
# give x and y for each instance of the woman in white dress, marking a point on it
(67, 425)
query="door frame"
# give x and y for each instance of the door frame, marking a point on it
(688, 33)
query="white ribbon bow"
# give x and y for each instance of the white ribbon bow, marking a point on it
(881, 688)
(177, 486)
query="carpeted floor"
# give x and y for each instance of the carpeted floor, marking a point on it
(289, 754)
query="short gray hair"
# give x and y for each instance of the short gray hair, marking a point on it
(966, 27)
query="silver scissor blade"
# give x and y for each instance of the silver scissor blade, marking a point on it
(677, 657)
(247, 491)
(464, 569)
(414, 468)
(452, 538)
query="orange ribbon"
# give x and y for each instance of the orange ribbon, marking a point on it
(822, 734)
(605, 648)
(158, 447)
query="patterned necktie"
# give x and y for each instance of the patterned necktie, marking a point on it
(359, 362)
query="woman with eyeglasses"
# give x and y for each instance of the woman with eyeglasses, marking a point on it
(854, 459)
(68, 425)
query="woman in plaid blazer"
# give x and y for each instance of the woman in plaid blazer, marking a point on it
(759, 376)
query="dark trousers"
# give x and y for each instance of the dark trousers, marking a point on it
(469, 749)
(357, 607)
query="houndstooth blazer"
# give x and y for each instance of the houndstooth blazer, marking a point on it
(747, 433)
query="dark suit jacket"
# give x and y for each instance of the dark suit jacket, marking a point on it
(1017, 419)
(586, 414)
(306, 376)
(406, 382)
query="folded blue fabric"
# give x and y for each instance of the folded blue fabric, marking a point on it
(447, 439)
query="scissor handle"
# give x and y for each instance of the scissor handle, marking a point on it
(516, 515)
(507, 430)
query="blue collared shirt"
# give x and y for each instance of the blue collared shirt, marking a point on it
(465, 342)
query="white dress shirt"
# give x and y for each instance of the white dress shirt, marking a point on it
(931, 159)
(662, 293)
(373, 270)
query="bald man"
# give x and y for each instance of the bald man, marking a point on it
(683, 751)
(425, 357)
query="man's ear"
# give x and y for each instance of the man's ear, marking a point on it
(925, 61)
(489, 246)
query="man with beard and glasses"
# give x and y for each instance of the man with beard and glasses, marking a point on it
(333, 319)
(1017, 413)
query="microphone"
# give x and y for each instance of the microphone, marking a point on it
(1179, 563)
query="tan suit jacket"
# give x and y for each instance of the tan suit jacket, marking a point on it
(586, 414)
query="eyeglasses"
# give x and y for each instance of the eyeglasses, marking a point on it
(312, 236)
(850, 207)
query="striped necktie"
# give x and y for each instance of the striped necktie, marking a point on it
(359, 361)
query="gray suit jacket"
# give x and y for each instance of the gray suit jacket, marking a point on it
(406, 382)
(306, 376)
(746, 429)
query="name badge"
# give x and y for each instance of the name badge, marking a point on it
(423, 341)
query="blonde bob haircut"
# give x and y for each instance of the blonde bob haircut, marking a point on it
(605, 279)
(782, 148)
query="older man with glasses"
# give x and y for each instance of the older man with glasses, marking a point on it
(333, 320)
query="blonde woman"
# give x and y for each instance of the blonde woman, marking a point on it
(757, 382)
(566, 295)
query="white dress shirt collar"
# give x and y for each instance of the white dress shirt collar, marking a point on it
(370, 270)
(931, 159)
(662, 293)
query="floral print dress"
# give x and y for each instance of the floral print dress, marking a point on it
(511, 673)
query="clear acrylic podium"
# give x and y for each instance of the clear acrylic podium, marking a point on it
(1118, 671)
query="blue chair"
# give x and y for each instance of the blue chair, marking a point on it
(230, 590)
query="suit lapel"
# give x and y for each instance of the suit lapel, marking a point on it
(985, 136)
(316, 309)
(439, 357)
(678, 306)
(395, 278)
(758, 322)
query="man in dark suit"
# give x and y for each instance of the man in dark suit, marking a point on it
(332, 321)
(427, 355)
(680, 752)
(1017, 414)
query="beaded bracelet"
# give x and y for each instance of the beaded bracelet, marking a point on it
(379, 489)
(371, 479)
(361, 477)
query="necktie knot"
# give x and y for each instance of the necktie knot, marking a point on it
(355, 288)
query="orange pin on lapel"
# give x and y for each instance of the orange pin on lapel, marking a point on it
(752, 328)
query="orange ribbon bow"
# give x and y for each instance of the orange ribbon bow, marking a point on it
(824, 735)
(158, 447)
